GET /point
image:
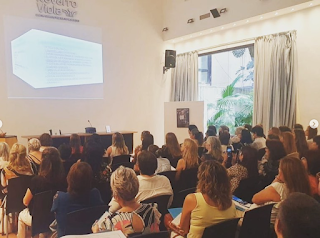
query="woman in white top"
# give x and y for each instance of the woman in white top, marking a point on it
(292, 177)
(4, 154)
(118, 146)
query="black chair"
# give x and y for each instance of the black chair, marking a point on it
(188, 179)
(121, 159)
(161, 234)
(17, 188)
(80, 222)
(171, 175)
(247, 188)
(162, 202)
(256, 222)
(42, 216)
(126, 164)
(224, 229)
(178, 198)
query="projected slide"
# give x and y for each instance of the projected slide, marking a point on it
(46, 60)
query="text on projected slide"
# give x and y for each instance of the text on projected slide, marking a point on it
(45, 60)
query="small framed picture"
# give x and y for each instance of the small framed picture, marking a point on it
(108, 129)
(182, 117)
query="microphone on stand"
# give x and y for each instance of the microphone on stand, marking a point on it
(50, 132)
(90, 123)
(90, 129)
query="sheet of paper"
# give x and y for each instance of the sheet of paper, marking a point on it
(109, 234)
(176, 221)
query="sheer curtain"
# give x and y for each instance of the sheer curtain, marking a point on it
(184, 83)
(275, 80)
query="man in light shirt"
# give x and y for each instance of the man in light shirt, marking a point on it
(259, 140)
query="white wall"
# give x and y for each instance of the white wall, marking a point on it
(134, 88)
(196, 117)
(306, 22)
(177, 13)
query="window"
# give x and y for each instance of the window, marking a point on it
(226, 86)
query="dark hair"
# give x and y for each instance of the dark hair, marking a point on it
(284, 128)
(301, 141)
(246, 137)
(51, 166)
(312, 132)
(94, 152)
(147, 163)
(147, 141)
(313, 161)
(45, 140)
(144, 133)
(210, 133)
(299, 216)
(75, 143)
(250, 160)
(224, 138)
(258, 130)
(153, 149)
(316, 140)
(214, 129)
(273, 137)
(276, 150)
(248, 126)
(298, 126)
(198, 136)
(223, 128)
(191, 127)
(80, 181)
(65, 151)
(95, 138)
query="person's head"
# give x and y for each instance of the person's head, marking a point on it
(144, 133)
(213, 145)
(209, 133)
(316, 143)
(298, 217)
(215, 183)
(80, 180)
(274, 131)
(198, 137)
(273, 137)
(93, 153)
(118, 142)
(124, 184)
(75, 142)
(147, 163)
(223, 128)
(248, 127)
(45, 140)
(238, 131)
(147, 140)
(190, 153)
(65, 151)
(248, 157)
(275, 150)
(51, 165)
(153, 149)
(311, 132)
(4, 151)
(298, 126)
(214, 129)
(95, 138)
(284, 129)
(301, 141)
(173, 144)
(289, 142)
(246, 137)
(17, 158)
(294, 175)
(311, 161)
(34, 145)
(191, 127)
(257, 131)
(224, 138)
(193, 133)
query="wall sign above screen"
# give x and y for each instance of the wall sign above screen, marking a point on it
(55, 60)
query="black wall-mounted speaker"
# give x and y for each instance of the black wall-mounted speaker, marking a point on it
(170, 59)
(215, 13)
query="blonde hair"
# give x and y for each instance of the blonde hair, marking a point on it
(215, 145)
(34, 145)
(4, 151)
(119, 143)
(124, 183)
(17, 158)
(190, 153)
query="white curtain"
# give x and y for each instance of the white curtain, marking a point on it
(275, 80)
(184, 83)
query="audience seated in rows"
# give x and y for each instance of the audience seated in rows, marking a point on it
(171, 150)
(163, 163)
(133, 217)
(211, 203)
(118, 146)
(4, 154)
(80, 194)
(34, 156)
(292, 177)
(150, 185)
(51, 177)
(189, 158)
(298, 217)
